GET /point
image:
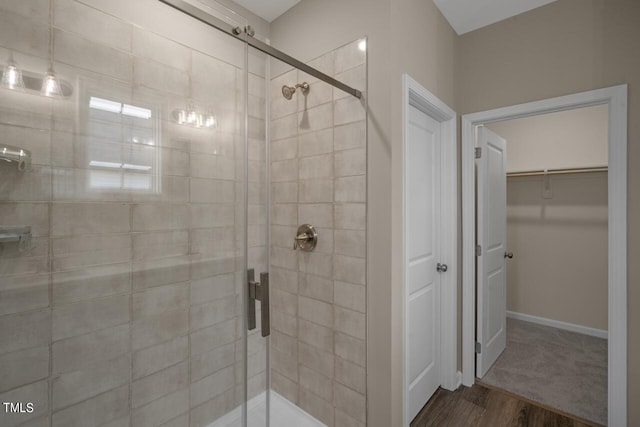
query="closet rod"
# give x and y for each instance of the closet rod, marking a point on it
(557, 171)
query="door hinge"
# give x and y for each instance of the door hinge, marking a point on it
(478, 250)
(478, 152)
(478, 347)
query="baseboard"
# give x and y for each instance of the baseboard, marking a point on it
(454, 383)
(560, 325)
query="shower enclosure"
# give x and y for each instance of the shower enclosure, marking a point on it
(152, 181)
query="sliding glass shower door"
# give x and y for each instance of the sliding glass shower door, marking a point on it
(132, 204)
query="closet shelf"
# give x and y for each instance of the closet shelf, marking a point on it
(558, 171)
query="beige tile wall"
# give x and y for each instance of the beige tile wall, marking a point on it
(127, 308)
(318, 176)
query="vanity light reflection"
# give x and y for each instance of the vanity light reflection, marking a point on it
(193, 118)
(50, 85)
(12, 77)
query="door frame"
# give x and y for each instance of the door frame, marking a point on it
(414, 94)
(616, 98)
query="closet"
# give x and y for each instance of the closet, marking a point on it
(556, 261)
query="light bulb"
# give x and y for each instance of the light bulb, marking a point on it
(12, 77)
(50, 85)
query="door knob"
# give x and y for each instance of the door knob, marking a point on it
(441, 268)
(508, 255)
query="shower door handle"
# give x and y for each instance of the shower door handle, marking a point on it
(258, 291)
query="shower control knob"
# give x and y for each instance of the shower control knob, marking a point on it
(306, 238)
(301, 238)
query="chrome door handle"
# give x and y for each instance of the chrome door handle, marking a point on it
(441, 268)
(258, 291)
(508, 255)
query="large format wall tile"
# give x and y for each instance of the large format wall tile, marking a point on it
(79, 52)
(87, 316)
(24, 331)
(126, 309)
(159, 384)
(24, 367)
(92, 24)
(92, 380)
(143, 323)
(24, 293)
(319, 298)
(22, 33)
(36, 393)
(96, 347)
(102, 409)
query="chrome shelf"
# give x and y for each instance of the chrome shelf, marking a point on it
(17, 155)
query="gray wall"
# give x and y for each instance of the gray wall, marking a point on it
(565, 47)
(567, 139)
(559, 271)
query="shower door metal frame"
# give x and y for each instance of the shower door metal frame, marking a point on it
(246, 35)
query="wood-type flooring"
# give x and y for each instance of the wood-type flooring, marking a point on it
(479, 406)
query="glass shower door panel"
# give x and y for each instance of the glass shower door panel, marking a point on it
(122, 232)
(257, 235)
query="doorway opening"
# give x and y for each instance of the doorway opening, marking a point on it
(615, 101)
(553, 256)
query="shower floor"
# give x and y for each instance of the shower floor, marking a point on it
(283, 413)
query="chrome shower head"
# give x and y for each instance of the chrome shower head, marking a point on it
(288, 91)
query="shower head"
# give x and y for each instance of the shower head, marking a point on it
(288, 91)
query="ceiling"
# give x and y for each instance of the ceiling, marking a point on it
(267, 9)
(463, 15)
(469, 15)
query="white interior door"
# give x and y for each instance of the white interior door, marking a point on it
(492, 232)
(422, 251)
